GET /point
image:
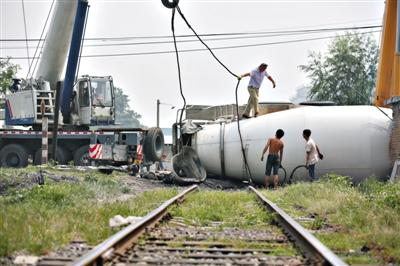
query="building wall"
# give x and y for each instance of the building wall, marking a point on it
(395, 135)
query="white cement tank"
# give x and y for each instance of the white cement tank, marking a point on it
(354, 141)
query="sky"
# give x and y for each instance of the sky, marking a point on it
(148, 77)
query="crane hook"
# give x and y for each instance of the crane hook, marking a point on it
(170, 3)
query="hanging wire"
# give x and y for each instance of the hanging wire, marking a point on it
(379, 46)
(179, 73)
(37, 47)
(248, 171)
(250, 176)
(208, 48)
(37, 61)
(26, 33)
(368, 99)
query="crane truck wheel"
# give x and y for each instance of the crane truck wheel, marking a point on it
(13, 155)
(81, 156)
(62, 156)
(153, 145)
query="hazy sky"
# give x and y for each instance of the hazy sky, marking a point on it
(148, 77)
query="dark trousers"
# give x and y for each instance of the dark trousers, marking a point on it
(311, 171)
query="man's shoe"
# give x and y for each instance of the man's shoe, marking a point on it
(245, 116)
(256, 114)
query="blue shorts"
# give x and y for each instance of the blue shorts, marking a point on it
(273, 163)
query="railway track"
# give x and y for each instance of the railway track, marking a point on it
(173, 242)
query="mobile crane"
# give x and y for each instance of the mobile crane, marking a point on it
(86, 102)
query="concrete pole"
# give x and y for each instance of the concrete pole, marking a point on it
(158, 113)
(45, 132)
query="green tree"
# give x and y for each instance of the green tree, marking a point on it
(124, 114)
(346, 74)
(8, 70)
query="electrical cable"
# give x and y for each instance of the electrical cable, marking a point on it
(181, 41)
(263, 32)
(26, 33)
(250, 176)
(248, 171)
(186, 41)
(179, 73)
(198, 37)
(215, 48)
(37, 61)
(364, 96)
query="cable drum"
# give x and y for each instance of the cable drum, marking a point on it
(170, 3)
(153, 145)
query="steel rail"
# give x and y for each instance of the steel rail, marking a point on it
(313, 248)
(124, 238)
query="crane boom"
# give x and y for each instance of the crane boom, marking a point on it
(73, 57)
(56, 47)
(388, 76)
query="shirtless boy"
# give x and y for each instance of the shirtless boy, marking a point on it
(275, 147)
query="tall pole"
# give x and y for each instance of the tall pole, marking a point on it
(45, 130)
(158, 112)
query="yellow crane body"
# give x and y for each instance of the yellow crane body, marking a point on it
(388, 76)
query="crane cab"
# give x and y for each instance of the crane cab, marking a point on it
(93, 101)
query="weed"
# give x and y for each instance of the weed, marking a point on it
(42, 218)
(366, 214)
(214, 206)
(125, 189)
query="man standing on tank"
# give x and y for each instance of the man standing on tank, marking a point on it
(256, 78)
(274, 160)
(312, 153)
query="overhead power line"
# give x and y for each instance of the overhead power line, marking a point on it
(215, 48)
(195, 40)
(211, 34)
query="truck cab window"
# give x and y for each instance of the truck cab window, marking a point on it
(84, 94)
(101, 93)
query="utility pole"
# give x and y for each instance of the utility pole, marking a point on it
(45, 131)
(158, 112)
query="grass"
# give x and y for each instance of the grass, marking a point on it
(366, 215)
(41, 218)
(348, 219)
(234, 209)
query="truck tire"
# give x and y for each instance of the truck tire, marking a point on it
(13, 155)
(81, 156)
(153, 145)
(62, 157)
